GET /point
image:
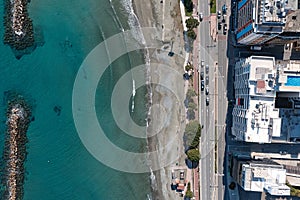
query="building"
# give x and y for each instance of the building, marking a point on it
(261, 22)
(255, 118)
(261, 175)
(267, 95)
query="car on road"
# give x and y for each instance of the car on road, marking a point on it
(207, 90)
(207, 101)
(283, 152)
(202, 85)
(201, 17)
(224, 10)
(202, 76)
(206, 80)
(206, 69)
(202, 63)
(219, 14)
(219, 25)
(225, 29)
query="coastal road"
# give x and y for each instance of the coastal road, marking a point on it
(207, 53)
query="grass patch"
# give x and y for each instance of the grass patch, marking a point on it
(294, 191)
(213, 6)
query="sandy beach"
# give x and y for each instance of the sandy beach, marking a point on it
(167, 107)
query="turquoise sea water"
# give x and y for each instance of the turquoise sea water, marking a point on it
(58, 166)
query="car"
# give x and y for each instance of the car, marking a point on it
(225, 29)
(219, 25)
(207, 90)
(206, 69)
(202, 63)
(207, 101)
(255, 48)
(201, 17)
(202, 85)
(219, 14)
(283, 152)
(224, 10)
(206, 80)
(181, 176)
(202, 76)
(223, 20)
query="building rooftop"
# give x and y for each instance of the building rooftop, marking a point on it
(262, 175)
(292, 21)
(270, 11)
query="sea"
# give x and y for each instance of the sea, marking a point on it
(58, 166)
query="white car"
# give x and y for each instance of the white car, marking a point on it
(201, 17)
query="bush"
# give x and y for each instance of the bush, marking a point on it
(191, 114)
(192, 105)
(189, 194)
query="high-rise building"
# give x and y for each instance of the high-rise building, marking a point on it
(265, 21)
(255, 118)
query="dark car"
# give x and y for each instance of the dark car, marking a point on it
(202, 76)
(206, 69)
(206, 80)
(207, 101)
(202, 85)
(225, 29)
(224, 10)
(219, 25)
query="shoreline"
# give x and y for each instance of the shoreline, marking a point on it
(155, 14)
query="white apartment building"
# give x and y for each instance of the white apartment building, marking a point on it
(259, 176)
(255, 118)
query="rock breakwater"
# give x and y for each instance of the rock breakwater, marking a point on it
(14, 154)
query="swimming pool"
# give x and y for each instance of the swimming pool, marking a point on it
(293, 81)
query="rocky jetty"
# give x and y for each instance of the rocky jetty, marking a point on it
(14, 154)
(19, 33)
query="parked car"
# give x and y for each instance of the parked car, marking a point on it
(207, 90)
(201, 17)
(224, 10)
(207, 101)
(181, 177)
(206, 69)
(202, 76)
(202, 85)
(206, 80)
(225, 29)
(219, 25)
(283, 152)
(219, 14)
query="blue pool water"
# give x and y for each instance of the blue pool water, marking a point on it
(293, 81)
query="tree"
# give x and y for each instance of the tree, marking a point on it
(191, 23)
(193, 155)
(189, 67)
(188, 4)
(189, 194)
(192, 135)
(192, 106)
(191, 34)
(190, 93)
(190, 114)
